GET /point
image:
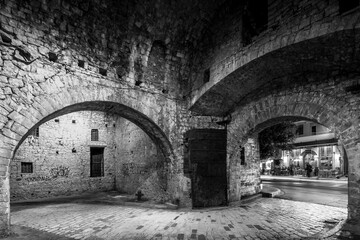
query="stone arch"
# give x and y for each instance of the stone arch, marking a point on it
(312, 106)
(330, 111)
(254, 73)
(113, 100)
(25, 115)
(138, 118)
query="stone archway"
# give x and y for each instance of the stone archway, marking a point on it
(135, 106)
(138, 118)
(326, 109)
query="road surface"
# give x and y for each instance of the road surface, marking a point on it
(327, 193)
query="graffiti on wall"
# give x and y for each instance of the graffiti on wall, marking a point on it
(38, 178)
(56, 172)
(59, 171)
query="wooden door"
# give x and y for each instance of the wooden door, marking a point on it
(207, 159)
(96, 162)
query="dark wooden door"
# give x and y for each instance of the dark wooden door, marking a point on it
(96, 162)
(207, 159)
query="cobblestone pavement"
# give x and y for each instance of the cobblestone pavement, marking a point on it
(261, 219)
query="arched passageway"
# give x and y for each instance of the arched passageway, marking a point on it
(24, 121)
(88, 151)
(141, 120)
(316, 106)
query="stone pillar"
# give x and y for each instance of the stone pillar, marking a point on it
(4, 206)
(5, 156)
(243, 176)
(354, 183)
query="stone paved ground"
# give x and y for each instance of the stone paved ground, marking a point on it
(260, 219)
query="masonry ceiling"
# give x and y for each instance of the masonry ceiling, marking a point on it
(312, 61)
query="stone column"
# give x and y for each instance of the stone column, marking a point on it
(4, 199)
(354, 183)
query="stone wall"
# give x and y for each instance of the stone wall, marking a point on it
(243, 167)
(139, 163)
(61, 157)
(289, 24)
(142, 61)
(128, 58)
(64, 56)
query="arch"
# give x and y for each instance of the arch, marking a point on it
(138, 118)
(252, 73)
(135, 106)
(71, 93)
(306, 152)
(329, 110)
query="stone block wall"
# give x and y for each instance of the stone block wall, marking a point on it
(288, 23)
(243, 167)
(59, 54)
(139, 163)
(60, 156)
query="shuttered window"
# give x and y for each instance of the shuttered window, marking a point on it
(94, 135)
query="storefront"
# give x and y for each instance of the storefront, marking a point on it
(320, 157)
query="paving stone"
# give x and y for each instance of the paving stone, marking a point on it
(289, 219)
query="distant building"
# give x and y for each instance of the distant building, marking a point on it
(316, 145)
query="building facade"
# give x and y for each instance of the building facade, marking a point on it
(315, 144)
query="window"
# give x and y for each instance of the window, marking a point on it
(96, 162)
(347, 5)
(35, 133)
(313, 130)
(242, 156)
(81, 63)
(103, 71)
(206, 76)
(94, 135)
(26, 167)
(297, 153)
(300, 130)
(322, 151)
(53, 57)
(329, 151)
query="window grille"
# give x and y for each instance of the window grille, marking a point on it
(94, 135)
(26, 167)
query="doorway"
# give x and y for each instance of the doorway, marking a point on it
(96, 162)
(207, 158)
